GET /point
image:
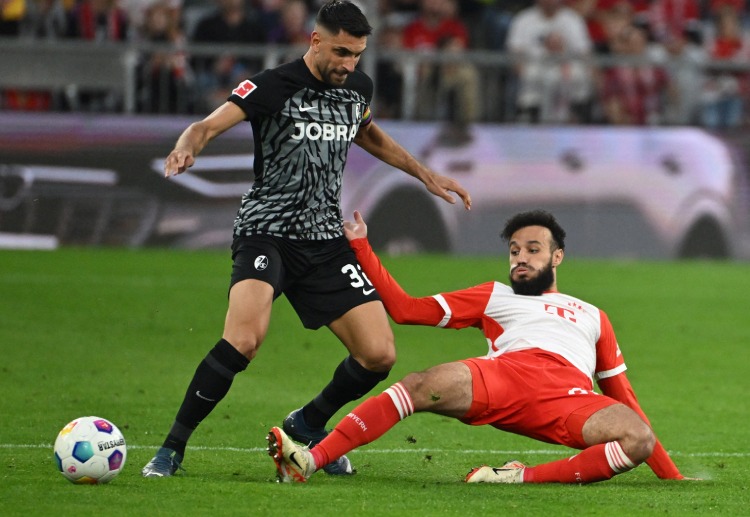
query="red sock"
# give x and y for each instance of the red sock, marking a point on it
(366, 423)
(596, 463)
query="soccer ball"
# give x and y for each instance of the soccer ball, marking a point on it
(90, 450)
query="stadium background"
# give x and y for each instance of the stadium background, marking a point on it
(80, 156)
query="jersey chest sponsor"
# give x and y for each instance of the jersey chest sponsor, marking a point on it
(325, 131)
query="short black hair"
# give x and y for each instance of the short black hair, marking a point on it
(338, 15)
(535, 218)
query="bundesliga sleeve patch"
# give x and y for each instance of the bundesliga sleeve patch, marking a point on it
(244, 89)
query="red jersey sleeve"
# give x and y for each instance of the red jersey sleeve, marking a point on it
(610, 375)
(457, 309)
(609, 361)
(403, 308)
(467, 307)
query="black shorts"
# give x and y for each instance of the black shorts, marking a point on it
(321, 279)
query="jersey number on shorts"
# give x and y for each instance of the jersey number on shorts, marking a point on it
(358, 278)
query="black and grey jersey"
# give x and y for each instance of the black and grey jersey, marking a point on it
(302, 131)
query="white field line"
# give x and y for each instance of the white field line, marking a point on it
(560, 452)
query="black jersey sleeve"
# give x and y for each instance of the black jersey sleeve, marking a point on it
(262, 94)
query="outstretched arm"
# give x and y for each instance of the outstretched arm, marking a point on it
(403, 308)
(380, 144)
(197, 135)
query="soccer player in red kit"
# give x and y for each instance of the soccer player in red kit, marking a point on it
(545, 347)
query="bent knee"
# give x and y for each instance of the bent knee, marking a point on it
(639, 443)
(378, 357)
(379, 362)
(414, 384)
(246, 345)
(418, 384)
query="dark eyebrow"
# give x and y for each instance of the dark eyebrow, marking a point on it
(512, 243)
(347, 50)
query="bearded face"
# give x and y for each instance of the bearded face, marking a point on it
(336, 55)
(533, 282)
(534, 258)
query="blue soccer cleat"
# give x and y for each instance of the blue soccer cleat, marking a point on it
(164, 464)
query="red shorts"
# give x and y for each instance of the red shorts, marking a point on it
(533, 393)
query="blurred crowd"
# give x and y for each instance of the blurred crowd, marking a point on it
(634, 62)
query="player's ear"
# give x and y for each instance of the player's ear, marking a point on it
(557, 257)
(315, 40)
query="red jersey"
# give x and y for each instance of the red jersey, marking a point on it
(418, 35)
(554, 322)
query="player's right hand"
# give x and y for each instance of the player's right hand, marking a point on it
(356, 229)
(177, 162)
(442, 185)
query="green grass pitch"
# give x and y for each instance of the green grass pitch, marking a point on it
(118, 334)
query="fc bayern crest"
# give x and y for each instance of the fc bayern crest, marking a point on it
(261, 262)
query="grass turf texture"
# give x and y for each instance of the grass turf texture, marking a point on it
(118, 334)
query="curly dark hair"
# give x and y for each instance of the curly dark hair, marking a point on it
(535, 218)
(338, 15)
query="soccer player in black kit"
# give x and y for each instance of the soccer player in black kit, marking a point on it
(288, 233)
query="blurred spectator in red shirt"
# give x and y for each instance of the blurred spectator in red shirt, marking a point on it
(452, 87)
(632, 93)
(98, 20)
(593, 15)
(607, 17)
(437, 20)
(668, 18)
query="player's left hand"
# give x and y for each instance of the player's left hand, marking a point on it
(356, 229)
(442, 185)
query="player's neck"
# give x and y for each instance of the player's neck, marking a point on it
(309, 60)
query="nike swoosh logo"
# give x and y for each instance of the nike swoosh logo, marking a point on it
(292, 458)
(306, 108)
(198, 394)
(367, 291)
